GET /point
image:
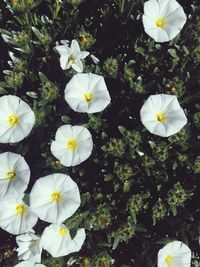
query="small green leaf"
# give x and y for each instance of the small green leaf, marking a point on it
(108, 177)
(43, 78)
(172, 52)
(122, 130)
(116, 242)
(65, 119)
(3, 91)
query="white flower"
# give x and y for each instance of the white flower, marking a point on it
(162, 115)
(174, 254)
(28, 264)
(163, 19)
(15, 216)
(57, 241)
(16, 119)
(29, 247)
(87, 92)
(71, 56)
(14, 175)
(54, 198)
(72, 145)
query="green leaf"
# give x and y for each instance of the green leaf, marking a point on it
(122, 129)
(3, 31)
(172, 52)
(108, 177)
(43, 78)
(3, 91)
(37, 32)
(65, 119)
(116, 243)
(32, 94)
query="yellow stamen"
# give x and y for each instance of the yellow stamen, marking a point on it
(71, 59)
(173, 89)
(161, 117)
(13, 120)
(63, 231)
(14, 2)
(84, 38)
(88, 97)
(20, 209)
(169, 259)
(72, 144)
(10, 175)
(160, 22)
(56, 196)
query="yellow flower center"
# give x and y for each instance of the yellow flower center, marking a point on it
(71, 59)
(10, 175)
(20, 209)
(72, 144)
(88, 97)
(13, 120)
(14, 2)
(63, 231)
(56, 196)
(84, 38)
(169, 259)
(161, 117)
(160, 22)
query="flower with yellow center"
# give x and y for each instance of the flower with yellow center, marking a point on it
(14, 174)
(174, 254)
(13, 120)
(15, 216)
(54, 198)
(20, 209)
(162, 115)
(163, 19)
(57, 241)
(169, 259)
(10, 175)
(87, 92)
(71, 56)
(160, 22)
(17, 119)
(72, 144)
(88, 96)
(63, 231)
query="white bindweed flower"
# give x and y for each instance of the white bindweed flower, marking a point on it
(54, 198)
(162, 115)
(29, 264)
(174, 254)
(87, 92)
(29, 247)
(15, 216)
(14, 175)
(71, 56)
(163, 19)
(72, 145)
(57, 241)
(16, 119)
